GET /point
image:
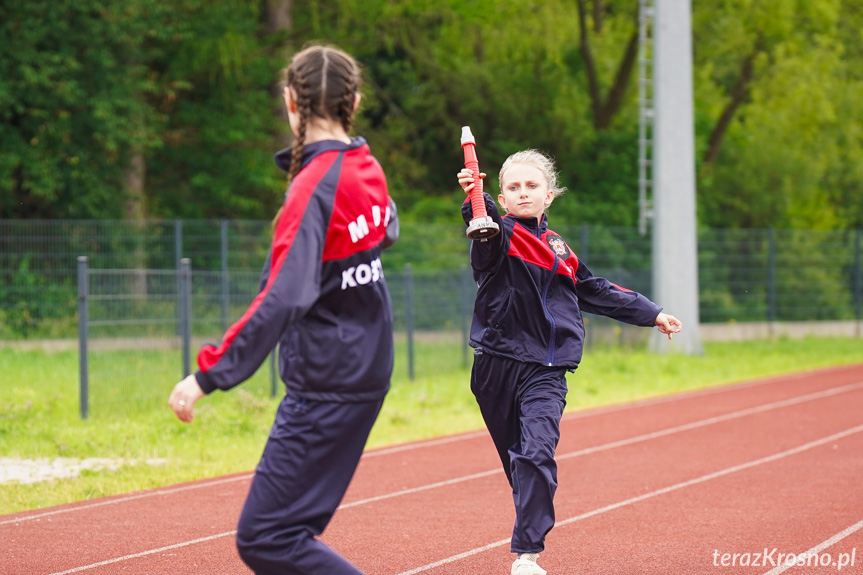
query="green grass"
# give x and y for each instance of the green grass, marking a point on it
(39, 413)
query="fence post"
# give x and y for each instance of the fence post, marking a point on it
(224, 290)
(185, 301)
(409, 317)
(771, 277)
(466, 314)
(83, 334)
(178, 255)
(858, 279)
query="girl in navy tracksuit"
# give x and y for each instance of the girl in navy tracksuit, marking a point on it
(527, 332)
(324, 300)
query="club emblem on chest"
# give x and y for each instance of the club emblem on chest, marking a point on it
(557, 244)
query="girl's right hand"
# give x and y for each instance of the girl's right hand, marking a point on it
(465, 179)
(184, 396)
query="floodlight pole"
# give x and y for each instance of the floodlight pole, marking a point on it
(675, 242)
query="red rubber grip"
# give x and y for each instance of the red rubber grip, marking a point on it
(477, 201)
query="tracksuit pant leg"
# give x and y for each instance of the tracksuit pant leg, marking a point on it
(522, 404)
(307, 464)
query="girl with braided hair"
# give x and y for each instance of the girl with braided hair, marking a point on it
(324, 300)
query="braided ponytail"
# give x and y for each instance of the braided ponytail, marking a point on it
(324, 83)
(298, 81)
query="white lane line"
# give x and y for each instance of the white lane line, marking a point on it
(717, 419)
(144, 553)
(426, 443)
(458, 557)
(711, 390)
(422, 488)
(766, 407)
(593, 513)
(628, 441)
(124, 499)
(652, 494)
(636, 404)
(819, 548)
(587, 451)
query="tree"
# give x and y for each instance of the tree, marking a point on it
(71, 107)
(604, 110)
(222, 113)
(139, 109)
(777, 77)
(145, 109)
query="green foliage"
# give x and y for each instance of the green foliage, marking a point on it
(72, 104)
(51, 314)
(223, 118)
(792, 149)
(190, 88)
(92, 83)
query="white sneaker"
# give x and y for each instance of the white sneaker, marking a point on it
(525, 564)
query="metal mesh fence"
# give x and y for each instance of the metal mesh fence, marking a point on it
(744, 275)
(142, 328)
(38, 262)
(141, 333)
(135, 323)
(779, 275)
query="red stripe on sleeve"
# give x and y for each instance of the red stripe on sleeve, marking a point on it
(299, 194)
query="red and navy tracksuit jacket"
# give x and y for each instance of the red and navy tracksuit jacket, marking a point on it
(323, 297)
(532, 290)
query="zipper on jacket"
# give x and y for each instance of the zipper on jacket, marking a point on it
(551, 338)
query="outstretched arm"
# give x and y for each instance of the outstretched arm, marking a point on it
(599, 296)
(293, 285)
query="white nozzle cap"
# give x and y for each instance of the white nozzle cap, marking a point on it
(466, 136)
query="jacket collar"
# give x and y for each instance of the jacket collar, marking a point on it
(536, 227)
(283, 157)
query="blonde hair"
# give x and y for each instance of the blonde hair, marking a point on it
(538, 160)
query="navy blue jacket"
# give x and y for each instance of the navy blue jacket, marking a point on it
(323, 295)
(532, 290)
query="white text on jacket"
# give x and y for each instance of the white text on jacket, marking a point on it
(362, 274)
(359, 228)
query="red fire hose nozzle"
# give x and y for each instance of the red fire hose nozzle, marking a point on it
(481, 227)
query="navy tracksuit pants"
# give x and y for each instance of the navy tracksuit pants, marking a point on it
(307, 464)
(522, 404)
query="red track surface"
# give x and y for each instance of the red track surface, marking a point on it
(667, 486)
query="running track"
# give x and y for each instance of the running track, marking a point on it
(665, 486)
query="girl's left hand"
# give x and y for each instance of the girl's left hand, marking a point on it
(668, 324)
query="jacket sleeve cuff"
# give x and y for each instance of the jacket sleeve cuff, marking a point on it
(490, 208)
(206, 384)
(653, 316)
(466, 210)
